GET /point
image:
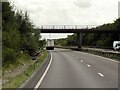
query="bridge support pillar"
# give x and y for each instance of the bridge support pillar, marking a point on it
(79, 39)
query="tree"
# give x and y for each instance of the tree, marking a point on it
(10, 35)
(18, 32)
(95, 39)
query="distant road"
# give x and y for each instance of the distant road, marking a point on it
(72, 69)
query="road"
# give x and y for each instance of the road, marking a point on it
(103, 50)
(72, 69)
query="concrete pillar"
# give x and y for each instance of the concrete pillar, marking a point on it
(79, 39)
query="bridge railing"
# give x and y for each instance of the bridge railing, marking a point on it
(68, 26)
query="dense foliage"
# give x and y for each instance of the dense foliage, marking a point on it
(104, 40)
(18, 34)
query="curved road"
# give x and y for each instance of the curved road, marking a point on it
(72, 69)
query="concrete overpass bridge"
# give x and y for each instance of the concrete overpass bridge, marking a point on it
(79, 29)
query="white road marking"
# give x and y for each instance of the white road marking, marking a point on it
(100, 57)
(43, 76)
(81, 61)
(88, 65)
(101, 74)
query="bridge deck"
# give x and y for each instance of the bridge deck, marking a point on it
(74, 29)
(78, 31)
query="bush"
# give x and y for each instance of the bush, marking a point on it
(9, 55)
(17, 34)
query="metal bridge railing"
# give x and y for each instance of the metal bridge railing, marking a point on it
(68, 26)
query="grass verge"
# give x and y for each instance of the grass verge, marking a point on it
(21, 78)
(9, 66)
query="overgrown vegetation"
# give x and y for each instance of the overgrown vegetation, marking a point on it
(105, 40)
(19, 36)
(15, 82)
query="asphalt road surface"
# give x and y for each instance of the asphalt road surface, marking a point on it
(72, 69)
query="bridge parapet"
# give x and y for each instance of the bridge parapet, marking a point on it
(75, 29)
(68, 26)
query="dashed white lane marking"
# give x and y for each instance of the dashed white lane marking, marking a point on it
(88, 65)
(44, 74)
(101, 74)
(105, 58)
(81, 60)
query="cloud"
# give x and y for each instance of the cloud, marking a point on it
(45, 12)
(69, 12)
(3, 0)
(83, 3)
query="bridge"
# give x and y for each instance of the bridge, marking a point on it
(79, 29)
(74, 29)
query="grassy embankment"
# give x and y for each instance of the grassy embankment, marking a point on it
(29, 68)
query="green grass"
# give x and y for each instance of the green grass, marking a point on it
(18, 80)
(10, 66)
(0, 73)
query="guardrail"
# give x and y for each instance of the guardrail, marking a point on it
(108, 54)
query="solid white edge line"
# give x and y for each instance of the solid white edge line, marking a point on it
(101, 74)
(43, 76)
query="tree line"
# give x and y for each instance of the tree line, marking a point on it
(100, 40)
(18, 34)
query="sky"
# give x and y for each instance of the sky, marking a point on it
(119, 9)
(68, 12)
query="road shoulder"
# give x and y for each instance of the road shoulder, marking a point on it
(34, 78)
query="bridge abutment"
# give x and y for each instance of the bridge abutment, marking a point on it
(79, 39)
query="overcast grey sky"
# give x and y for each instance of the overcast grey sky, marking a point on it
(69, 12)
